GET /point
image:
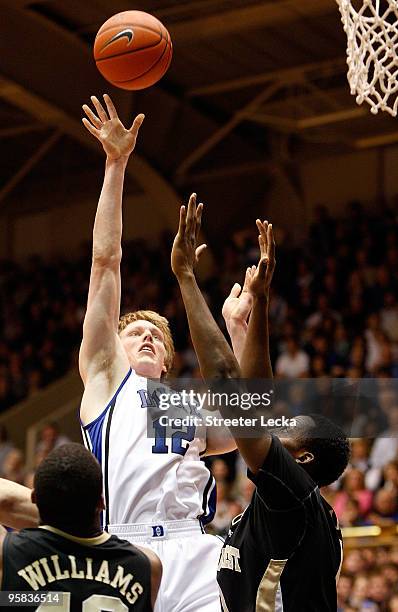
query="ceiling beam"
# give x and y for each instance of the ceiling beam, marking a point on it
(287, 124)
(18, 130)
(225, 129)
(379, 140)
(159, 191)
(225, 172)
(245, 18)
(320, 69)
(30, 163)
(329, 118)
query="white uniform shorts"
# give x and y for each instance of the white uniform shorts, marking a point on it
(189, 558)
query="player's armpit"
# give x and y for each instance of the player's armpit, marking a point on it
(156, 572)
(16, 507)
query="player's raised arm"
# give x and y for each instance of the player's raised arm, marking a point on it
(16, 507)
(255, 360)
(236, 310)
(215, 357)
(102, 360)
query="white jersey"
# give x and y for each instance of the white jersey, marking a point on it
(148, 477)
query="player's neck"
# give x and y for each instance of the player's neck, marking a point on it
(91, 531)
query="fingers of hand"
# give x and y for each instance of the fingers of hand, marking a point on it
(199, 251)
(191, 216)
(93, 118)
(90, 128)
(261, 243)
(138, 121)
(235, 291)
(247, 279)
(183, 221)
(100, 109)
(262, 227)
(199, 212)
(271, 244)
(244, 306)
(110, 107)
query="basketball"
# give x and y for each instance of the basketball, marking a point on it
(132, 50)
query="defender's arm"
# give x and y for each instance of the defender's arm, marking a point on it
(215, 357)
(255, 361)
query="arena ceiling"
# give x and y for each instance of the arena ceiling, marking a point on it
(254, 87)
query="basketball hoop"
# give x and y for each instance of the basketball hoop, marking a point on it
(372, 51)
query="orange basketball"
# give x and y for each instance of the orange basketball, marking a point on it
(133, 50)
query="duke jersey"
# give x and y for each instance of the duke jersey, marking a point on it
(283, 554)
(102, 573)
(148, 477)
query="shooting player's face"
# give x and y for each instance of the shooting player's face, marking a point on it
(144, 345)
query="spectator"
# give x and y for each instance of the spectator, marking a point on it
(360, 454)
(389, 316)
(385, 448)
(359, 590)
(5, 446)
(13, 466)
(324, 312)
(390, 475)
(393, 604)
(385, 508)
(351, 515)
(378, 590)
(50, 438)
(344, 588)
(353, 486)
(293, 363)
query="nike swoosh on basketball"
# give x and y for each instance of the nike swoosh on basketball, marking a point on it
(124, 33)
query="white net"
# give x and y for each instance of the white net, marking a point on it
(372, 51)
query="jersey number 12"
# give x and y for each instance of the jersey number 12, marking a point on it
(179, 439)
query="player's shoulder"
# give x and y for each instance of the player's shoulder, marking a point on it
(138, 552)
(281, 482)
(151, 556)
(155, 562)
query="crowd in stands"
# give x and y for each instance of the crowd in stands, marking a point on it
(333, 313)
(334, 307)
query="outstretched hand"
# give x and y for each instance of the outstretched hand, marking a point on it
(238, 305)
(185, 254)
(260, 277)
(117, 141)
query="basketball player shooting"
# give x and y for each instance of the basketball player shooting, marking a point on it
(157, 490)
(284, 552)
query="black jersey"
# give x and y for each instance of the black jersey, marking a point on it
(105, 570)
(284, 552)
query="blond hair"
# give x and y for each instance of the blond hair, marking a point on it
(160, 322)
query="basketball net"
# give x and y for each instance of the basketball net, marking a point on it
(372, 51)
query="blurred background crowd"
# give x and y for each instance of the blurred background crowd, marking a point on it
(333, 313)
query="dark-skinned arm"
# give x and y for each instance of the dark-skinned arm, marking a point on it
(256, 362)
(214, 354)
